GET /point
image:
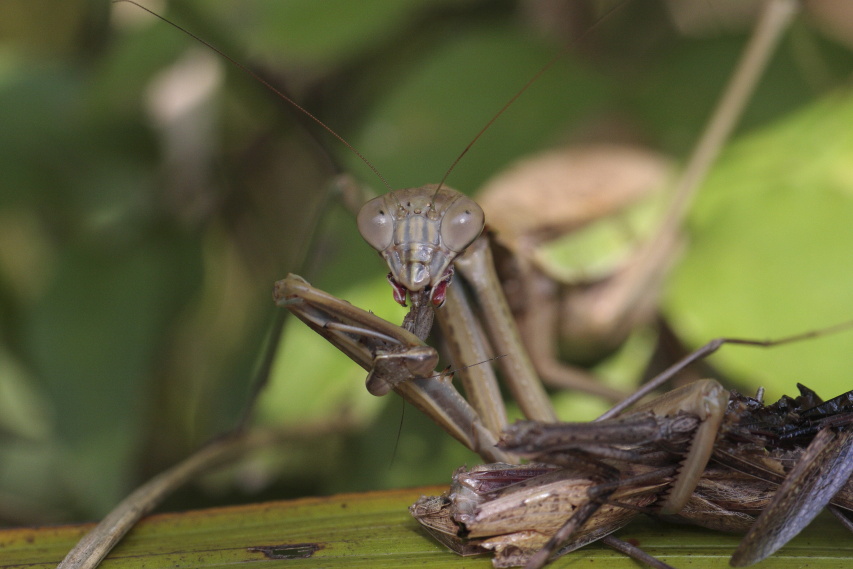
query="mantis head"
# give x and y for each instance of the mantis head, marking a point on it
(419, 232)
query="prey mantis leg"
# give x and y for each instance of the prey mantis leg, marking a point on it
(704, 402)
(821, 472)
(604, 471)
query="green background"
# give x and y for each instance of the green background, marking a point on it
(137, 256)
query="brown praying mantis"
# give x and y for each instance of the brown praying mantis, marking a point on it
(411, 253)
(523, 528)
(426, 234)
(532, 280)
(407, 228)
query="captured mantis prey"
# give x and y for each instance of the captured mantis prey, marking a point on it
(772, 469)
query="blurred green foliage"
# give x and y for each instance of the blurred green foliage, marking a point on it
(140, 235)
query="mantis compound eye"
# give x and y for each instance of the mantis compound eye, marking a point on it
(463, 222)
(376, 223)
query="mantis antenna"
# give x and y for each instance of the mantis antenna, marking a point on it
(544, 69)
(268, 85)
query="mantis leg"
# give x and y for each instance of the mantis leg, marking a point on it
(396, 358)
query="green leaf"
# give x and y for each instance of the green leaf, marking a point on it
(375, 530)
(769, 251)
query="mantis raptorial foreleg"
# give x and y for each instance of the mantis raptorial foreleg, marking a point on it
(396, 359)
